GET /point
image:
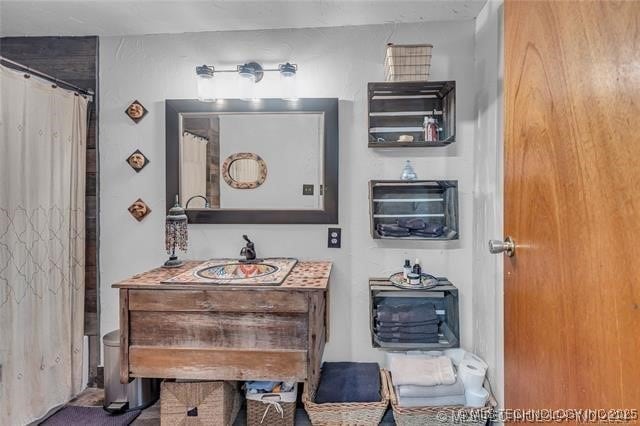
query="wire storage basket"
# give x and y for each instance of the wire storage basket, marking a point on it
(199, 402)
(407, 62)
(272, 409)
(347, 413)
(439, 416)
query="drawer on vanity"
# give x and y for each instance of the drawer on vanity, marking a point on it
(218, 300)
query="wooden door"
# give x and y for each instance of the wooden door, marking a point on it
(572, 204)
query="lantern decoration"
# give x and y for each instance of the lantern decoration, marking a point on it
(176, 234)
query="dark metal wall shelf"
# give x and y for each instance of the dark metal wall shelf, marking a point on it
(445, 300)
(399, 108)
(434, 201)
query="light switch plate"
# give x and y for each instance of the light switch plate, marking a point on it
(334, 238)
(307, 189)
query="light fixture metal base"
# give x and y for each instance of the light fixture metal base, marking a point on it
(258, 71)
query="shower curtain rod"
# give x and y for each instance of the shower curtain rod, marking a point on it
(88, 92)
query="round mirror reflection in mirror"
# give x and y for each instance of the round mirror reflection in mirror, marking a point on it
(244, 170)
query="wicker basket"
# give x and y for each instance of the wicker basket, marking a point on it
(347, 413)
(272, 409)
(199, 403)
(407, 62)
(438, 416)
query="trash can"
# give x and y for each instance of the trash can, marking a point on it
(136, 395)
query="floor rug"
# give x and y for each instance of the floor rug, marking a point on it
(94, 416)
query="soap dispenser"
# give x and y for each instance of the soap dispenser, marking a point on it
(407, 172)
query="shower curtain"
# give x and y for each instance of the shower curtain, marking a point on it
(42, 184)
(193, 179)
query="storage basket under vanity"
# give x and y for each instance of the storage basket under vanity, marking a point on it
(407, 62)
(348, 413)
(439, 416)
(199, 403)
(272, 409)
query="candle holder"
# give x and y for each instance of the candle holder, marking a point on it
(176, 234)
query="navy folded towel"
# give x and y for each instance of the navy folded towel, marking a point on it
(420, 329)
(392, 230)
(403, 324)
(430, 230)
(349, 382)
(427, 338)
(411, 223)
(394, 309)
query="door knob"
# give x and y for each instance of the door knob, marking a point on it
(507, 246)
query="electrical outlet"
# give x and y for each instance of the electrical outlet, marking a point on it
(334, 238)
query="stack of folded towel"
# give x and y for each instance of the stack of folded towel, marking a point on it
(405, 320)
(406, 227)
(425, 381)
(349, 382)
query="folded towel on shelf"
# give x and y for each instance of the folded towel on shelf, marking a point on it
(430, 230)
(384, 227)
(394, 234)
(413, 391)
(421, 370)
(349, 382)
(402, 335)
(411, 223)
(402, 329)
(395, 309)
(436, 401)
(425, 338)
(404, 324)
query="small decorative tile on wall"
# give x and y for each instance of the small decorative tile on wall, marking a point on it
(139, 209)
(136, 111)
(137, 161)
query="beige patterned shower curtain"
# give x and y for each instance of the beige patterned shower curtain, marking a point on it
(193, 170)
(42, 185)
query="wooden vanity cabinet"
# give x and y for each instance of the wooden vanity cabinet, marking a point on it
(222, 332)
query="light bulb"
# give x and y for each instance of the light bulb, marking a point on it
(205, 83)
(288, 81)
(247, 86)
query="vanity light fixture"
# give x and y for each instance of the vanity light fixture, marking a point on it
(250, 73)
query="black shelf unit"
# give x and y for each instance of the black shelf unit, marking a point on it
(445, 299)
(399, 108)
(435, 201)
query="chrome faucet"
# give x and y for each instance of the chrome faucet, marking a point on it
(206, 201)
(249, 251)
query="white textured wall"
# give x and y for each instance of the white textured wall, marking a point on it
(488, 333)
(334, 62)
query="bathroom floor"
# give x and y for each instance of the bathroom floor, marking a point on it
(92, 397)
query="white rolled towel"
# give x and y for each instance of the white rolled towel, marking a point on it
(456, 355)
(476, 398)
(471, 375)
(476, 360)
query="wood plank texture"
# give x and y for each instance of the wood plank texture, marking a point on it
(317, 338)
(219, 300)
(217, 364)
(221, 330)
(124, 335)
(572, 294)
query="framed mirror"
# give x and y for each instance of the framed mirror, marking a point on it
(267, 161)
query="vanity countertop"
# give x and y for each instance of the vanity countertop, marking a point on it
(306, 275)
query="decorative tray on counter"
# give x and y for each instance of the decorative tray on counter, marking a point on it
(426, 282)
